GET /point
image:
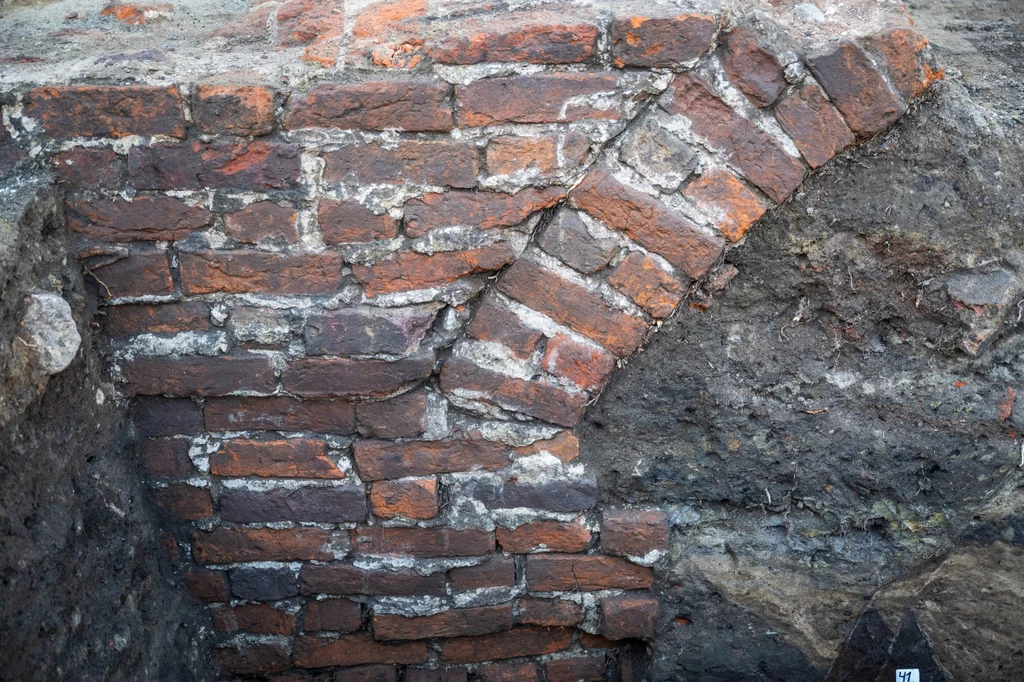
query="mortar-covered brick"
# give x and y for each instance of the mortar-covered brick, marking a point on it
(544, 536)
(106, 110)
(233, 109)
(496, 571)
(269, 584)
(542, 98)
(254, 165)
(815, 126)
(262, 220)
(331, 615)
(647, 284)
(509, 154)
(302, 22)
(723, 196)
(259, 619)
(586, 366)
(507, 672)
(404, 416)
(752, 68)
(231, 545)
(558, 495)
(142, 273)
(184, 501)
(565, 446)
(559, 572)
(548, 612)
(525, 640)
(421, 542)
(165, 318)
(166, 456)
(908, 59)
(207, 586)
(143, 218)
(589, 669)
(380, 459)
(629, 616)
(366, 330)
(857, 89)
(344, 579)
(156, 416)
(437, 163)
(568, 239)
(648, 222)
(279, 413)
(284, 458)
(337, 504)
(412, 106)
(633, 533)
(484, 210)
(243, 271)
(91, 168)
(194, 375)
(495, 322)
(344, 222)
(443, 674)
(251, 659)
(659, 155)
(667, 42)
(360, 649)
(451, 623)
(341, 377)
(535, 37)
(411, 498)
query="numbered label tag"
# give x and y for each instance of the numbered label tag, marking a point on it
(908, 675)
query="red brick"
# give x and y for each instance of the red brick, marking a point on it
(242, 271)
(287, 458)
(251, 659)
(258, 619)
(649, 222)
(90, 168)
(404, 416)
(508, 154)
(568, 239)
(262, 220)
(537, 37)
(484, 210)
(452, 623)
(519, 641)
(497, 571)
(378, 459)
(408, 271)
(343, 222)
(507, 672)
(548, 612)
(279, 413)
(661, 41)
(565, 446)
(167, 457)
(908, 59)
(207, 586)
(155, 416)
(446, 674)
(572, 572)
(138, 274)
(575, 669)
(637, 533)
(753, 69)
(763, 161)
(533, 99)
(327, 378)
(412, 106)
(335, 504)
(231, 545)
(254, 165)
(544, 536)
(589, 641)
(586, 366)
(815, 126)
(201, 376)
(411, 498)
(302, 22)
(421, 542)
(537, 398)
(723, 197)
(494, 322)
(629, 616)
(574, 306)
(185, 501)
(316, 652)
(438, 163)
(643, 280)
(857, 89)
(331, 615)
(341, 579)
(369, 330)
(363, 673)
(141, 219)
(106, 110)
(233, 109)
(164, 318)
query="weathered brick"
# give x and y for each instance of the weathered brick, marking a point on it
(341, 579)
(184, 501)
(723, 197)
(201, 376)
(279, 413)
(507, 672)
(586, 366)
(403, 416)
(316, 652)
(452, 623)
(106, 110)
(525, 640)
(302, 22)
(589, 669)
(207, 586)
(344, 222)
(258, 619)
(857, 89)
(537, 398)
(230, 545)
(408, 271)
(908, 59)
(155, 416)
(166, 456)
(165, 318)
(243, 271)
(412, 106)
(438, 163)
(548, 612)
(568, 239)
(752, 68)
(368, 330)
(539, 38)
(378, 459)
(572, 305)
(133, 14)
(629, 616)
(589, 641)
(659, 155)
(540, 98)
(331, 615)
(815, 126)
(233, 109)
(636, 533)
(422, 542)
(263, 584)
(254, 165)
(495, 322)
(484, 210)
(90, 168)
(338, 504)
(326, 378)
(141, 219)
(661, 41)
(556, 495)
(286, 458)
(411, 498)
(251, 659)
(649, 222)
(560, 572)
(761, 158)
(363, 673)
(445, 674)
(262, 220)
(145, 273)
(643, 280)
(542, 154)
(497, 571)
(544, 536)
(565, 446)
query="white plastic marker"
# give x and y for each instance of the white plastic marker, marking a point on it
(908, 675)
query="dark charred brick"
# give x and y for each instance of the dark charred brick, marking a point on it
(146, 273)
(258, 619)
(421, 542)
(815, 126)
(548, 612)
(590, 669)
(366, 673)
(753, 69)
(650, 287)
(207, 586)
(568, 239)
(141, 219)
(412, 106)
(244, 271)
(262, 220)
(497, 571)
(630, 532)
(539, 38)
(445, 674)
(344, 222)
(325, 378)
(532, 99)
(316, 652)
(411, 498)
(452, 623)
(560, 572)
(166, 416)
(378, 459)
(331, 615)
(661, 41)
(519, 641)
(338, 504)
(484, 210)
(167, 456)
(90, 168)
(403, 416)
(252, 165)
(250, 659)
(286, 458)
(231, 545)
(164, 318)
(544, 536)
(440, 163)
(367, 330)
(507, 672)
(857, 89)
(184, 501)
(279, 413)
(341, 579)
(495, 322)
(267, 584)
(629, 616)
(557, 495)
(202, 376)
(408, 271)
(106, 110)
(233, 109)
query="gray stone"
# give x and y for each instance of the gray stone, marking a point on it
(49, 330)
(568, 239)
(658, 155)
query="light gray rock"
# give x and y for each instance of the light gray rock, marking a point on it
(49, 329)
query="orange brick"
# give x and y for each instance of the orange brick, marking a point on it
(412, 498)
(732, 205)
(644, 281)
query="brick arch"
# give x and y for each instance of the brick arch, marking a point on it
(363, 319)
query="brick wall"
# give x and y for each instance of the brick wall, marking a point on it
(361, 318)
